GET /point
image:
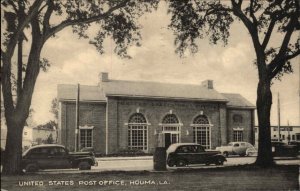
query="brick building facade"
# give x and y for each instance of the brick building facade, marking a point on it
(118, 115)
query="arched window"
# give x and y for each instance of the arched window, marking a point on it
(137, 132)
(170, 119)
(201, 119)
(201, 131)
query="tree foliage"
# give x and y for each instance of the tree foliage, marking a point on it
(37, 21)
(54, 108)
(195, 19)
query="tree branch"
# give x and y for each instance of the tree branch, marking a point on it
(238, 12)
(15, 37)
(32, 69)
(6, 84)
(13, 5)
(47, 16)
(291, 56)
(67, 23)
(252, 13)
(285, 42)
(275, 69)
(269, 33)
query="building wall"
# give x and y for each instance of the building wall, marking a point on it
(285, 131)
(90, 114)
(247, 124)
(120, 110)
(113, 118)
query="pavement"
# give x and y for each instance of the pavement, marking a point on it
(145, 163)
(124, 158)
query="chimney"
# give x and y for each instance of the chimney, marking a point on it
(209, 84)
(103, 77)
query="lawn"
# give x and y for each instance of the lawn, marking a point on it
(228, 178)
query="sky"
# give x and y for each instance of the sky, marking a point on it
(231, 67)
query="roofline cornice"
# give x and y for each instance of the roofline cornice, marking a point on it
(168, 98)
(241, 107)
(85, 101)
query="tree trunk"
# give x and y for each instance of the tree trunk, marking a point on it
(13, 147)
(263, 104)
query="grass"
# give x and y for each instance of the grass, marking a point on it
(228, 178)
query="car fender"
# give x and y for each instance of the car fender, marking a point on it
(76, 161)
(215, 157)
(225, 149)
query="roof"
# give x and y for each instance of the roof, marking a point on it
(161, 90)
(238, 101)
(67, 92)
(144, 89)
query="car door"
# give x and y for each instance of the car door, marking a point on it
(236, 148)
(183, 153)
(192, 154)
(40, 157)
(58, 158)
(243, 148)
(201, 154)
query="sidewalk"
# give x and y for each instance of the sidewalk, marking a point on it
(151, 158)
(124, 158)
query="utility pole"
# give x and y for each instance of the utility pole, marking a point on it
(77, 119)
(278, 110)
(288, 129)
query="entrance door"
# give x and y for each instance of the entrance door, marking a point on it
(167, 140)
(170, 138)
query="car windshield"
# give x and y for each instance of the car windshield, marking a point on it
(230, 144)
(172, 148)
(25, 152)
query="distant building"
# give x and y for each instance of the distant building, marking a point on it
(31, 136)
(287, 133)
(117, 115)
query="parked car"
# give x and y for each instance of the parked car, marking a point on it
(54, 156)
(183, 154)
(251, 151)
(234, 148)
(279, 149)
(296, 143)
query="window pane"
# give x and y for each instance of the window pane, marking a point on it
(86, 138)
(202, 136)
(137, 132)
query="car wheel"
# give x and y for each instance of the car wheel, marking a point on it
(242, 155)
(31, 167)
(225, 154)
(181, 163)
(171, 163)
(219, 162)
(84, 165)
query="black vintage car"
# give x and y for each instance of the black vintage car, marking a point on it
(53, 156)
(183, 154)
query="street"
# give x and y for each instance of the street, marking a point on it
(146, 164)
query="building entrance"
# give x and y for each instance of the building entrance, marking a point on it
(170, 130)
(170, 138)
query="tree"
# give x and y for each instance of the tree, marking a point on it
(51, 125)
(40, 20)
(54, 108)
(195, 19)
(49, 139)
